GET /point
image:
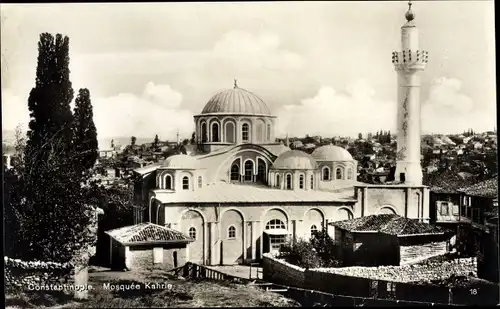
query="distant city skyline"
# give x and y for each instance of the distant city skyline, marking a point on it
(151, 67)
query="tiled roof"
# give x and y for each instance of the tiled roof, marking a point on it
(147, 169)
(446, 182)
(146, 232)
(240, 193)
(487, 188)
(388, 224)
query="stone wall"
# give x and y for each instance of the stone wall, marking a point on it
(411, 254)
(281, 272)
(21, 274)
(278, 271)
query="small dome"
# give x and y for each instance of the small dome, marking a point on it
(236, 101)
(295, 159)
(181, 161)
(331, 153)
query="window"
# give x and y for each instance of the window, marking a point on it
(338, 173)
(349, 173)
(261, 171)
(278, 180)
(229, 131)
(168, 182)
(200, 182)
(215, 132)
(204, 132)
(268, 132)
(192, 233)
(231, 232)
(444, 210)
(326, 173)
(235, 172)
(312, 182)
(314, 229)
(275, 224)
(245, 131)
(157, 255)
(185, 183)
(248, 170)
(289, 182)
(301, 182)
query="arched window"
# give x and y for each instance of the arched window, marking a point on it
(301, 181)
(261, 171)
(229, 132)
(326, 173)
(192, 233)
(215, 132)
(185, 183)
(338, 173)
(245, 132)
(268, 132)
(168, 182)
(275, 224)
(231, 232)
(204, 135)
(349, 173)
(289, 181)
(248, 170)
(235, 172)
(312, 182)
(200, 182)
(278, 180)
(314, 229)
(260, 133)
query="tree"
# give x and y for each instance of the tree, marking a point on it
(185, 142)
(193, 138)
(113, 143)
(156, 141)
(133, 139)
(360, 136)
(85, 133)
(53, 215)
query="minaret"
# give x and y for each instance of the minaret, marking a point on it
(409, 62)
(178, 140)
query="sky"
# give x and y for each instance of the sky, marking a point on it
(322, 67)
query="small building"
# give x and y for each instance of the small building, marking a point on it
(147, 245)
(388, 239)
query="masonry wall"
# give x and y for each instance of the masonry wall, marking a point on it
(412, 253)
(141, 257)
(357, 281)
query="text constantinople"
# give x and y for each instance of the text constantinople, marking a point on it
(137, 286)
(58, 287)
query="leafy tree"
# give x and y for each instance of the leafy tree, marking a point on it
(193, 138)
(185, 142)
(85, 132)
(360, 136)
(53, 214)
(133, 139)
(112, 143)
(326, 248)
(302, 254)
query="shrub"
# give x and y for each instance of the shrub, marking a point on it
(302, 254)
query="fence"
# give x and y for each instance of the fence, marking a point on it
(195, 271)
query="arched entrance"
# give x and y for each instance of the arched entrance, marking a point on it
(192, 225)
(232, 237)
(276, 233)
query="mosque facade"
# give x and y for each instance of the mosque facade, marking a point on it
(244, 194)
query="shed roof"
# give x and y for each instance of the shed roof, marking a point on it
(388, 224)
(147, 233)
(240, 193)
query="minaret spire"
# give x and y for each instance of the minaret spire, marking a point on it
(178, 141)
(409, 62)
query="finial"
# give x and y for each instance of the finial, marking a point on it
(235, 84)
(409, 14)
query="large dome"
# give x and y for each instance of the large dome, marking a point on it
(295, 159)
(331, 153)
(181, 161)
(236, 101)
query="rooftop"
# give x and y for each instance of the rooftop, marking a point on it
(487, 188)
(388, 224)
(240, 193)
(147, 233)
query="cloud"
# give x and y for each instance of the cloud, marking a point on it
(448, 110)
(156, 111)
(332, 113)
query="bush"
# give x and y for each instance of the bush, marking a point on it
(301, 254)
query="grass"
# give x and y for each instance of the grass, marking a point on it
(182, 294)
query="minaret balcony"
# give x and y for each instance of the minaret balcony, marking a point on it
(409, 59)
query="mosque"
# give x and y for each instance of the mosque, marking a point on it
(245, 194)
